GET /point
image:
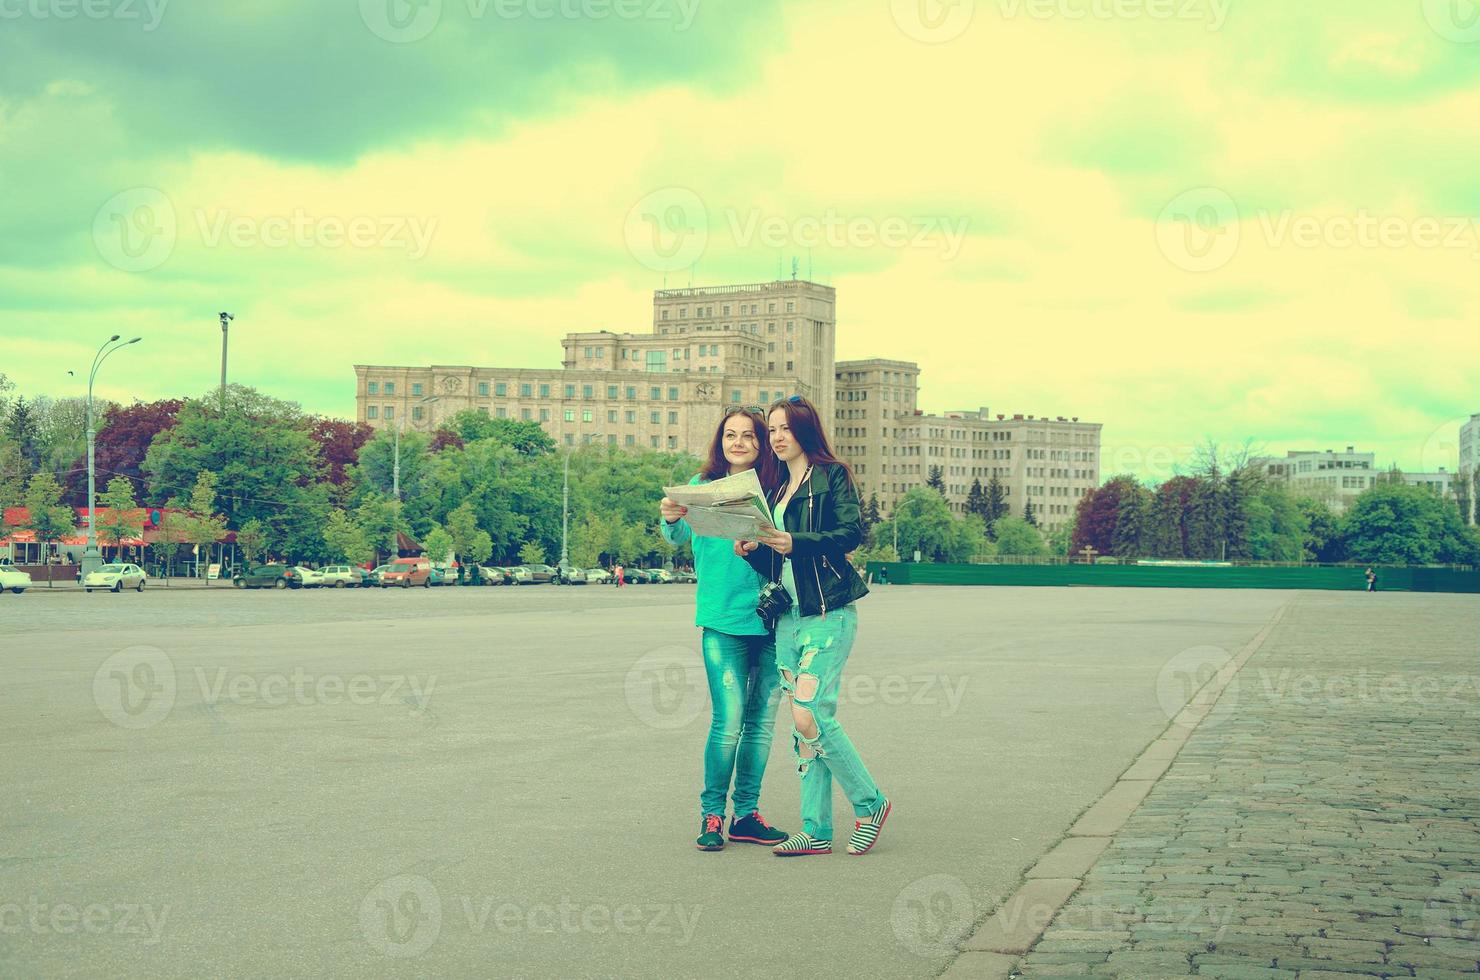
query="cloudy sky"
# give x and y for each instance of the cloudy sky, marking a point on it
(1186, 219)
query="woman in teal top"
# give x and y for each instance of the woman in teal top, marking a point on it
(739, 651)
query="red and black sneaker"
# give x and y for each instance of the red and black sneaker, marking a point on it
(753, 829)
(711, 837)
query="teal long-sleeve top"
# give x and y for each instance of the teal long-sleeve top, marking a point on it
(728, 586)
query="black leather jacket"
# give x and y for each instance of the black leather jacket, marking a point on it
(824, 522)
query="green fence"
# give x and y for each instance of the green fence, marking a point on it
(1347, 579)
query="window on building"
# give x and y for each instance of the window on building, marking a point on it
(631, 415)
(672, 418)
(631, 393)
(416, 389)
(544, 391)
(544, 415)
(570, 391)
(791, 306)
(673, 394)
(653, 417)
(611, 392)
(389, 412)
(416, 413)
(734, 396)
(372, 388)
(655, 394)
(665, 315)
(372, 411)
(570, 415)
(570, 440)
(503, 412)
(526, 414)
(657, 360)
(790, 366)
(653, 440)
(587, 392)
(390, 387)
(673, 442)
(630, 440)
(586, 415)
(501, 389)
(524, 391)
(483, 389)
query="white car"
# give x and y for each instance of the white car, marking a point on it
(115, 578)
(13, 579)
(312, 578)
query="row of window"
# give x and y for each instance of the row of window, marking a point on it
(707, 312)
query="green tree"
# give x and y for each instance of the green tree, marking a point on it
(976, 500)
(936, 480)
(1464, 495)
(170, 533)
(120, 516)
(345, 539)
(1132, 515)
(996, 502)
(437, 545)
(1395, 524)
(1058, 540)
(525, 438)
(1030, 516)
(472, 544)
(48, 518)
(1322, 541)
(532, 553)
(21, 428)
(205, 527)
(252, 540)
(1015, 536)
(869, 514)
(380, 517)
(925, 522)
(1276, 527)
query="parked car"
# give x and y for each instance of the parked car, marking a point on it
(115, 577)
(598, 576)
(687, 578)
(13, 578)
(659, 576)
(542, 574)
(344, 576)
(522, 574)
(637, 576)
(268, 577)
(312, 577)
(375, 573)
(570, 576)
(442, 576)
(495, 575)
(407, 572)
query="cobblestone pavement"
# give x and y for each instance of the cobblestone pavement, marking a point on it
(1321, 822)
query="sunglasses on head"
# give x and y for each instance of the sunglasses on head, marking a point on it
(747, 409)
(795, 399)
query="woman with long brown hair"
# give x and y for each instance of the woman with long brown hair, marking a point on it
(739, 650)
(817, 523)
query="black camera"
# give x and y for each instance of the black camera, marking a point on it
(771, 603)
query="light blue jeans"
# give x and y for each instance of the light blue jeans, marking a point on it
(744, 690)
(811, 652)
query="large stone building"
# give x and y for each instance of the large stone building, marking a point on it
(752, 344)
(1339, 478)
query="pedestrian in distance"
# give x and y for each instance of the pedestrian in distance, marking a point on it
(738, 648)
(816, 516)
(1371, 579)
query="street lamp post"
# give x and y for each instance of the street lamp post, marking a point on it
(226, 319)
(396, 466)
(91, 558)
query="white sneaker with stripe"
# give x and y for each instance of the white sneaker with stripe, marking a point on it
(866, 831)
(799, 844)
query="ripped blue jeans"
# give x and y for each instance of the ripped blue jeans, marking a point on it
(811, 652)
(743, 691)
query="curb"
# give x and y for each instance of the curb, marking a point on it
(995, 949)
